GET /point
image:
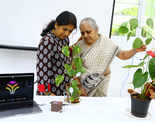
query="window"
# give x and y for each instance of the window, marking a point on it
(124, 10)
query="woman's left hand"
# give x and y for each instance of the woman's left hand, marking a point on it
(141, 49)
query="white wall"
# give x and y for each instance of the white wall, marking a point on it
(23, 20)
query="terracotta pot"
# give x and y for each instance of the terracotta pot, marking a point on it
(76, 101)
(139, 108)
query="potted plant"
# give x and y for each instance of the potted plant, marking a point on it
(73, 70)
(144, 76)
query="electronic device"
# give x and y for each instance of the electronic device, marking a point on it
(16, 90)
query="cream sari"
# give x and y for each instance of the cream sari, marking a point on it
(96, 60)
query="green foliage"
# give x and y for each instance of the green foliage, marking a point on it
(148, 41)
(133, 23)
(145, 56)
(69, 70)
(123, 30)
(137, 43)
(133, 66)
(66, 51)
(78, 62)
(146, 68)
(74, 83)
(129, 35)
(152, 68)
(139, 78)
(59, 79)
(144, 31)
(115, 30)
(130, 11)
(76, 50)
(72, 69)
(150, 23)
(76, 91)
(127, 12)
(129, 28)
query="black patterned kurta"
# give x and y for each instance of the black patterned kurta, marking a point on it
(50, 63)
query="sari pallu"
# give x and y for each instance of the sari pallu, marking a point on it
(96, 60)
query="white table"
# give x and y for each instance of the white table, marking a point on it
(90, 109)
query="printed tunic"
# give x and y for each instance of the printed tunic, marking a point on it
(50, 63)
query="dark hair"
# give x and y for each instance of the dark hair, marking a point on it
(64, 18)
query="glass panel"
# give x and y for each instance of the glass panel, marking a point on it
(123, 12)
(118, 20)
(150, 8)
(126, 9)
(127, 1)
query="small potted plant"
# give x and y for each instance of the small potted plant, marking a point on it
(144, 76)
(73, 70)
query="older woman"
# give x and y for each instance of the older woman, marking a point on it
(97, 52)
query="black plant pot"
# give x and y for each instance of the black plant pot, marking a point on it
(139, 108)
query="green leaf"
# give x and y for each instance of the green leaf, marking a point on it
(148, 41)
(81, 69)
(75, 93)
(129, 35)
(123, 30)
(141, 64)
(72, 99)
(68, 67)
(78, 62)
(71, 72)
(150, 23)
(130, 66)
(76, 50)
(145, 56)
(59, 79)
(133, 23)
(65, 51)
(74, 83)
(133, 66)
(137, 43)
(143, 32)
(139, 78)
(133, 33)
(146, 32)
(152, 68)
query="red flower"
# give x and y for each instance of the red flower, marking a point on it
(41, 88)
(49, 87)
(151, 53)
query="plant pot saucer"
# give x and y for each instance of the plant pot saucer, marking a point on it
(76, 101)
(127, 112)
(67, 101)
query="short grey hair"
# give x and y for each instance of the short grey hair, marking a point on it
(90, 21)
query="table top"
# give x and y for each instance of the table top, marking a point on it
(90, 109)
